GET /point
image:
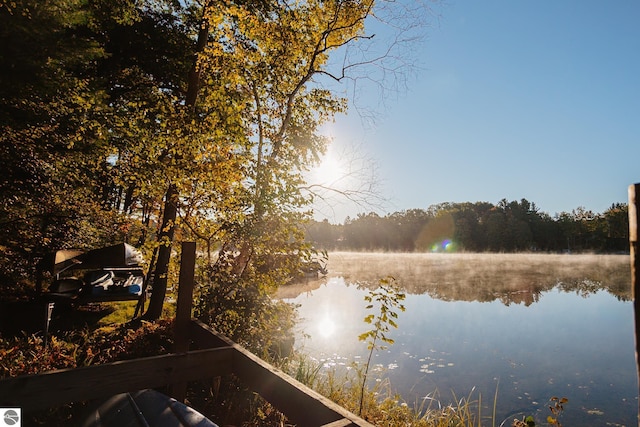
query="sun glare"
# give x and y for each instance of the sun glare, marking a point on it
(329, 170)
(326, 327)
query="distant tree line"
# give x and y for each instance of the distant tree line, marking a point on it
(509, 226)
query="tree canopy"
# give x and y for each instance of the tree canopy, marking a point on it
(156, 121)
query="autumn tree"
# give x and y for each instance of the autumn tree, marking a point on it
(53, 130)
(157, 121)
(261, 68)
(161, 153)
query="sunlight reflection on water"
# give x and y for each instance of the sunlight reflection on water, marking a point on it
(531, 336)
(326, 326)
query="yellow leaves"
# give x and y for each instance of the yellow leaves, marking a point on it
(556, 408)
(9, 5)
(299, 36)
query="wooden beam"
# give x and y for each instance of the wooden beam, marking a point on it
(340, 423)
(34, 392)
(205, 337)
(634, 250)
(302, 406)
(183, 311)
(185, 296)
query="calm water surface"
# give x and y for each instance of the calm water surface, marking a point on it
(531, 327)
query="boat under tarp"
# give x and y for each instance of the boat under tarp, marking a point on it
(111, 273)
(121, 255)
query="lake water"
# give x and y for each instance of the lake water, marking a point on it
(530, 326)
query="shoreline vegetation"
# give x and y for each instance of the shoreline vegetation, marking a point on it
(384, 407)
(508, 226)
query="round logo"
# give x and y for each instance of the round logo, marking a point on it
(11, 417)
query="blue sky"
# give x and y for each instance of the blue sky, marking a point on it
(513, 99)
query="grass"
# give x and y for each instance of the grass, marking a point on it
(381, 405)
(385, 408)
(121, 312)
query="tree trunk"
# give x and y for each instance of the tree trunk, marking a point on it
(165, 237)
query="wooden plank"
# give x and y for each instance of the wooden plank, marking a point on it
(340, 423)
(185, 296)
(33, 392)
(205, 337)
(634, 248)
(88, 299)
(302, 405)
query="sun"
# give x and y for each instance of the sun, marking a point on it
(330, 170)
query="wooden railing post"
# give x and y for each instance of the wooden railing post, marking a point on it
(183, 310)
(634, 250)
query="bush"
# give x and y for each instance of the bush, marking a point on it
(24, 355)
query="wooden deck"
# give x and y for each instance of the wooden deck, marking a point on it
(214, 355)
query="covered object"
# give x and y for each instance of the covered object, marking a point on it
(109, 273)
(122, 255)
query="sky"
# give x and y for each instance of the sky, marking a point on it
(512, 99)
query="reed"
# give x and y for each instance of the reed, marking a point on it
(381, 405)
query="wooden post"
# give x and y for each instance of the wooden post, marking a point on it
(183, 310)
(634, 250)
(47, 320)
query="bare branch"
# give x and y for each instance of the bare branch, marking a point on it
(357, 184)
(385, 64)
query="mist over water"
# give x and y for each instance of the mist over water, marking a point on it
(532, 326)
